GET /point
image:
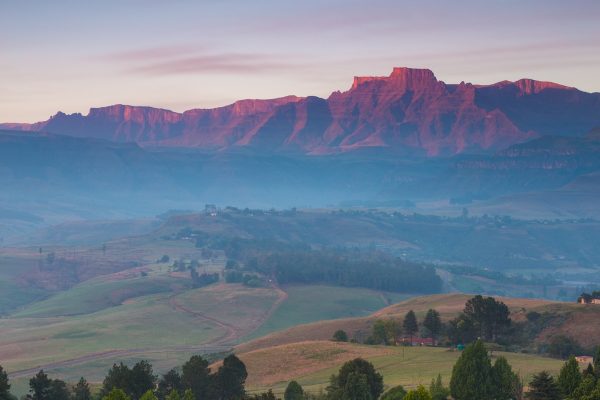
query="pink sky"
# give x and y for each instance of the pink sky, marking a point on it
(73, 55)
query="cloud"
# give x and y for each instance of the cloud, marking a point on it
(188, 59)
(222, 63)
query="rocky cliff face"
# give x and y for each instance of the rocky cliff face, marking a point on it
(409, 110)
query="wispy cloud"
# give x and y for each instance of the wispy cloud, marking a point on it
(188, 59)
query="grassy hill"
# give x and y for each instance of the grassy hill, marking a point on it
(311, 363)
(582, 322)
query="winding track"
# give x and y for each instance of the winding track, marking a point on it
(216, 345)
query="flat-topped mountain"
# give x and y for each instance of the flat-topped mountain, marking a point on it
(408, 111)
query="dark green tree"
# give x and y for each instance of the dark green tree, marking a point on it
(293, 391)
(489, 316)
(437, 390)
(4, 385)
(410, 324)
(472, 374)
(195, 376)
(357, 387)
(395, 393)
(506, 383)
(563, 346)
(461, 330)
(339, 382)
(81, 391)
(585, 389)
(142, 379)
(543, 387)
(39, 386)
(169, 382)
(393, 330)
(569, 377)
(433, 323)
(379, 334)
(340, 336)
(597, 363)
(59, 390)
(230, 379)
(118, 377)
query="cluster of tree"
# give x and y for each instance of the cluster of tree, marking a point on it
(388, 332)
(474, 376)
(500, 277)
(571, 383)
(371, 270)
(204, 279)
(193, 381)
(482, 317)
(587, 298)
(251, 280)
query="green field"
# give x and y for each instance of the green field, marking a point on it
(312, 363)
(317, 302)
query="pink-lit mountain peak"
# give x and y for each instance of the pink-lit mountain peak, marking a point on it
(410, 109)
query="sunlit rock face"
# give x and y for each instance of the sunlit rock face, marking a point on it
(408, 111)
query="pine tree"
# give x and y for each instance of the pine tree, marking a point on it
(116, 394)
(173, 395)
(293, 391)
(543, 387)
(472, 374)
(81, 391)
(4, 385)
(39, 386)
(506, 382)
(410, 324)
(437, 389)
(148, 395)
(597, 363)
(231, 378)
(433, 323)
(569, 377)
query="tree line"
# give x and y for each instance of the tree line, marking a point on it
(374, 271)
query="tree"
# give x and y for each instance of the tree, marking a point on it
(148, 395)
(338, 387)
(437, 390)
(569, 377)
(597, 363)
(340, 336)
(543, 387)
(379, 334)
(357, 387)
(506, 383)
(169, 382)
(419, 394)
(293, 391)
(173, 395)
(39, 386)
(392, 330)
(471, 375)
(433, 323)
(489, 316)
(188, 395)
(410, 324)
(4, 385)
(395, 393)
(195, 376)
(461, 330)
(585, 388)
(231, 378)
(563, 346)
(81, 391)
(118, 377)
(116, 394)
(58, 390)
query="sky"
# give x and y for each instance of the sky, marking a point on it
(70, 55)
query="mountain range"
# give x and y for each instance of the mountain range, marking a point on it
(408, 112)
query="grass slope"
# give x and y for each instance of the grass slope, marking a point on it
(312, 363)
